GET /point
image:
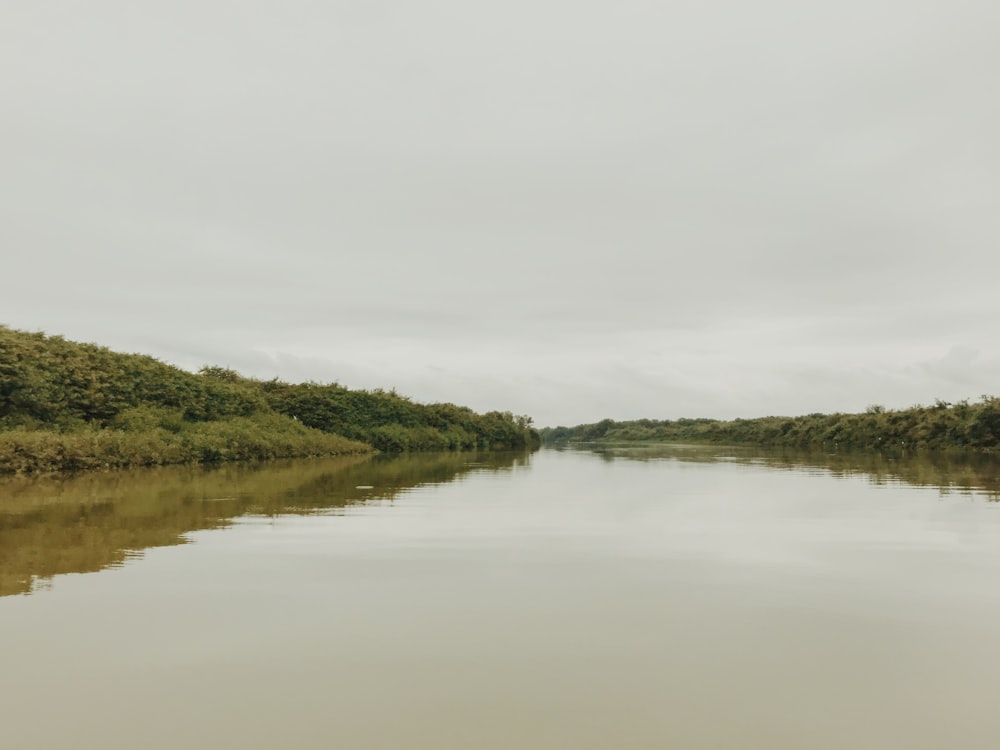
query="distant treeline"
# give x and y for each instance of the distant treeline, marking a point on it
(71, 406)
(943, 425)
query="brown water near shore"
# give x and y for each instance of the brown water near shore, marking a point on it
(636, 598)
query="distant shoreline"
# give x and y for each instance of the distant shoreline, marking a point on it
(943, 426)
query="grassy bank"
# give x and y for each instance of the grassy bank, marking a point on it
(256, 437)
(71, 406)
(963, 425)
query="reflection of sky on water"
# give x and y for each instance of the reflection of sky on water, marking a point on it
(697, 603)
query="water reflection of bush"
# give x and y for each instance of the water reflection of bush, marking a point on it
(86, 523)
(947, 471)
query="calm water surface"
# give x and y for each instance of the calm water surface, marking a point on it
(654, 598)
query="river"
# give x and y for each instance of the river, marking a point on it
(653, 597)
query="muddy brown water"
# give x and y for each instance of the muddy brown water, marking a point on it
(654, 597)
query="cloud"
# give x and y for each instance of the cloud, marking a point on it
(570, 209)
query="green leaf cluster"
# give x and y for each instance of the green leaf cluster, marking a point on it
(71, 406)
(391, 422)
(962, 425)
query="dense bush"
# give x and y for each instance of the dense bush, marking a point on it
(65, 405)
(233, 439)
(391, 422)
(943, 425)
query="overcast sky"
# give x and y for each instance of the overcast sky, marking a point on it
(563, 208)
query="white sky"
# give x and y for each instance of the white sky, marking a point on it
(573, 210)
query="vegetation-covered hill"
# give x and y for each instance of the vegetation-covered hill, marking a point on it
(71, 406)
(943, 425)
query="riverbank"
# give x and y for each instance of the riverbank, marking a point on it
(66, 406)
(962, 425)
(25, 451)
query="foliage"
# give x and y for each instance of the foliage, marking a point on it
(68, 406)
(233, 439)
(391, 422)
(943, 425)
